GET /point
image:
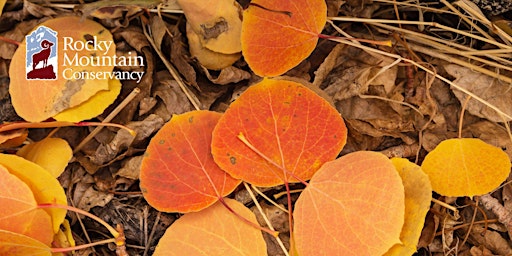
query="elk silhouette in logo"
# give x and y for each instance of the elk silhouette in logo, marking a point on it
(45, 72)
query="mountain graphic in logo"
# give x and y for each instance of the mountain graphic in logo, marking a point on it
(41, 55)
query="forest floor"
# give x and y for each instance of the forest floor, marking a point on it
(396, 108)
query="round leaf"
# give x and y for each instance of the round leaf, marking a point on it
(44, 186)
(178, 173)
(53, 154)
(37, 100)
(294, 128)
(418, 194)
(274, 41)
(466, 167)
(214, 232)
(353, 205)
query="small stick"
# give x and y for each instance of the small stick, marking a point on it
(108, 119)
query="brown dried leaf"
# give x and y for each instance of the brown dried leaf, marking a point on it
(228, 75)
(123, 139)
(488, 88)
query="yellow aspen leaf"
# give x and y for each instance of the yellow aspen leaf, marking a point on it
(44, 186)
(38, 99)
(19, 213)
(353, 205)
(2, 4)
(466, 167)
(214, 231)
(418, 194)
(64, 238)
(14, 244)
(93, 106)
(208, 58)
(53, 154)
(217, 23)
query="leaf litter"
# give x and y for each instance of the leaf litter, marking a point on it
(387, 107)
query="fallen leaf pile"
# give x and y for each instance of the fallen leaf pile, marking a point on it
(261, 128)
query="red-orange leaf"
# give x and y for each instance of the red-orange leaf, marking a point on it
(294, 128)
(19, 213)
(213, 232)
(178, 173)
(278, 38)
(352, 206)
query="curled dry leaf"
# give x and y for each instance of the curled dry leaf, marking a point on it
(214, 231)
(19, 213)
(488, 88)
(466, 167)
(418, 194)
(363, 193)
(44, 186)
(228, 75)
(273, 42)
(178, 173)
(217, 23)
(37, 100)
(53, 154)
(294, 129)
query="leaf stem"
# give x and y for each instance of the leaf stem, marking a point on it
(83, 246)
(112, 230)
(271, 232)
(28, 125)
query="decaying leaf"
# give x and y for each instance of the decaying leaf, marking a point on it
(418, 194)
(44, 186)
(488, 88)
(294, 129)
(214, 231)
(466, 167)
(178, 173)
(93, 106)
(19, 213)
(208, 58)
(37, 100)
(275, 41)
(363, 193)
(53, 154)
(217, 23)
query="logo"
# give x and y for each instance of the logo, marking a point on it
(41, 54)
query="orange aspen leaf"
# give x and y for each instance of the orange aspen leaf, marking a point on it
(44, 186)
(294, 130)
(353, 205)
(17, 244)
(214, 231)
(18, 213)
(278, 35)
(178, 173)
